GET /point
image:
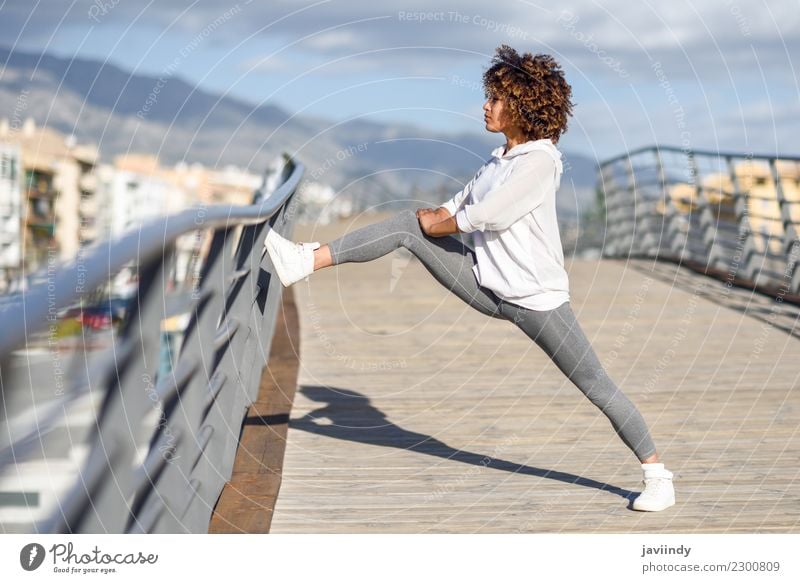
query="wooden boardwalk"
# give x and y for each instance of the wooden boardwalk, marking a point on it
(416, 414)
(247, 501)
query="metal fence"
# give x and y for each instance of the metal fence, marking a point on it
(733, 215)
(159, 446)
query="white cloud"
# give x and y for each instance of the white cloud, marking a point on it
(334, 40)
(266, 64)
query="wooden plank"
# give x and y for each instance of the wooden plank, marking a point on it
(247, 501)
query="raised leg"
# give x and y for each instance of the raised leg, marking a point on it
(446, 258)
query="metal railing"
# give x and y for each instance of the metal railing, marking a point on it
(160, 446)
(734, 215)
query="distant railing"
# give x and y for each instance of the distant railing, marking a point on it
(734, 215)
(161, 446)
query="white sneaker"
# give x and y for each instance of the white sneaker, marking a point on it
(659, 492)
(292, 261)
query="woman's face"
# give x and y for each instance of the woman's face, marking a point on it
(496, 115)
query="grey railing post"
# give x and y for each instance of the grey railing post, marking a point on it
(745, 243)
(790, 244)
(98, 503)
(164, 489)
(670, 227)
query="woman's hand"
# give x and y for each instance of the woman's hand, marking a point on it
(428, 217)
(426, 220)
(431, 222)
(441, 212)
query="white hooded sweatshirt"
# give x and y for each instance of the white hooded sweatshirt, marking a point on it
(510, 207)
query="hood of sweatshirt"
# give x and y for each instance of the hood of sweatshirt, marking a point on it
(545, 145)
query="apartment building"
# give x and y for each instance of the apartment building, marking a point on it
(55, 175)
(10, 214)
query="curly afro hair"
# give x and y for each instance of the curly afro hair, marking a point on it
(536, 93)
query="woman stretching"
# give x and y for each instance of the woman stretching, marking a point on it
(516, 270)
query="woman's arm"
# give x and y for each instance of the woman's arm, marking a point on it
(528, 185)
(455, 203)
(437, 222)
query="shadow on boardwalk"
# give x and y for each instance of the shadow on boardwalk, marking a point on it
(352, 417)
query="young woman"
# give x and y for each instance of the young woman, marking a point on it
(516, 270)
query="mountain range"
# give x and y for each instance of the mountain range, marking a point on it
(370, 162)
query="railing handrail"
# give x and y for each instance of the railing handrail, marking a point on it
(173, 396)
(67, 284)
(694, 152)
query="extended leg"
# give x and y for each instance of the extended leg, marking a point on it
(558, 333)
(446, 258)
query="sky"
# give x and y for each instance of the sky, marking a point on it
(718, 75)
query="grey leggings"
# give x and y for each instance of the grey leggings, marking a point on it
(557, 332)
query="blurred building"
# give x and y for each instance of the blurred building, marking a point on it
(320, 204)
(136, 189)
(208, 186)
(57, 203)
(10, 213)
(756, 184)
(55, 197)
